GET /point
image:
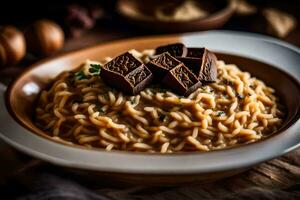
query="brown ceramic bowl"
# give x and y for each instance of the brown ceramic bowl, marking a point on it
(220, 13)
(283, 75)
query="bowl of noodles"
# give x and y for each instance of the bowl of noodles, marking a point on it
(66, 113)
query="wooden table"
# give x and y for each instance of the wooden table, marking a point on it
(275, 174)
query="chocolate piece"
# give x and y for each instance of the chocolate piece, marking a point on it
(195, 52)
(139, 79)
(208, 72)
(123, 64)
(206, 69)
(194, 64)
(163, 63)
(126, 73)
(176, 49)
(181, 80)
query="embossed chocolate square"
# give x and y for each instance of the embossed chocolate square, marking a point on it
(202, 62)
(122, 64)
(181, 80)
(138, 79)
(208, 71)
(195, 52)
(176, 49)
(126, 73)
(194, 64)
(160, 65)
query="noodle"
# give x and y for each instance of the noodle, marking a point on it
(237, 109)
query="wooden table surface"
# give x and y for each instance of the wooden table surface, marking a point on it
(279, 173)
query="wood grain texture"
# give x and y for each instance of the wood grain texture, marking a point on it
(276, 179)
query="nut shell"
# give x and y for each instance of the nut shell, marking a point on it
(44, 37)
(12, 45)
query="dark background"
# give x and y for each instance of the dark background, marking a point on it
(110, 26)
(20, 13)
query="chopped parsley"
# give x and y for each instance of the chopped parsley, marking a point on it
(95, 69)
(203, 87)
(80, 75)
(163, 118)
(132, 101)
(105, 96)
(220, 113)
(101, 110)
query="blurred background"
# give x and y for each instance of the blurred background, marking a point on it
(86, 23)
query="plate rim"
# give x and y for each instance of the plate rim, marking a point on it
(64, 162)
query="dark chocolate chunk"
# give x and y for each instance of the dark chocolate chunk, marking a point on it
(207, 61)
(139, 79)
(163, 63)
(123, 64)
(176, 49)
(181, 80)
(195, 52)
(126, 73)
(208, 72)
(194, 64)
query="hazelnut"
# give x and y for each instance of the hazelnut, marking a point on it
(44, 37)
(12, 45)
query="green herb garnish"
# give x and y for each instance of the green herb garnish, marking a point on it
(220, 113)
(132, 101)
(95, 69)
(105, 96)
(101, 110)
(163, 118)
(80, 75)
(203, 87)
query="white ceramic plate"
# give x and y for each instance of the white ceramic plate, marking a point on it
(265, 49)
